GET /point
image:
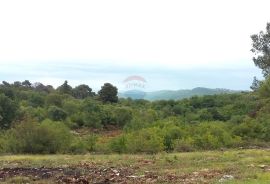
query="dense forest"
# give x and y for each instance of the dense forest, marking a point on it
(37, 118)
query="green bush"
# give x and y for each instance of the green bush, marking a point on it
(145, 141)
(77, 119)
(78, 146)
(172, 133)
(3, 143)
(54, 99)
(90, 142)
(249, 129)
(122, 115)
(92, 120)
(212, 135)
(72, 106)
(56, 113)
(32, 137)
(36, 100)
(119, 144)
(184, 145)
(81, 145)
(39, 113)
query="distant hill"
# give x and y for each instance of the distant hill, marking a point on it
(173, 94)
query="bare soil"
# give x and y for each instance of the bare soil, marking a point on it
(86, 173)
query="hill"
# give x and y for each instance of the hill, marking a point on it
(174, 94)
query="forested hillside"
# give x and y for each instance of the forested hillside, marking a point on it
(40, 119)
(181, 94)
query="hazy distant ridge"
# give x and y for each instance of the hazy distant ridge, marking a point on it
(180, 94)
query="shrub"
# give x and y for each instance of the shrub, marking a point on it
(249, 129)
(145, 141)
(171, 133)
(3, 142)
(107, 116)
(90, 142)
(103, 145)
(212, 135)
(36, 100)
(184, 145)
(119, 144)
(207, 141)
(92, 120)
(78, 146)
(54, 99)
(38, 113)
(56, 113)
(32, 137)
(78, 119)
(72, 106)
(122, 115)
(91, 114)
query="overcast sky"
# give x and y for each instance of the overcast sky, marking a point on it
(172, 44)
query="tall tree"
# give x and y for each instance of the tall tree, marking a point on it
(261, 49)
(26, 83)
(82, 91)
(6, 84)
(108, 93)
(256, 84)
(8, 111)
(42, 88)
(17, 84)
(65, 88)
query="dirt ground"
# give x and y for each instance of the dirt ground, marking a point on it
(89, 173)
(231, 166)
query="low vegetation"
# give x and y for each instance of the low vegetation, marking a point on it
(40, 119)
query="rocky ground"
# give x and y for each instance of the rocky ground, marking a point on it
(245, 166)
(88, 173)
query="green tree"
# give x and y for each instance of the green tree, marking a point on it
(82, 91)
(255, 84)
(42, 88)
(108, 93)
(17, 84)
(54, 99)
(36, 100)
(8, 91)
(6, 84)
(264, 89)
(8, 111)
(65, 88)
(91, 114)
(26, 83)
(261, 49)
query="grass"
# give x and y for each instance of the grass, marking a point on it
(246, 166)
